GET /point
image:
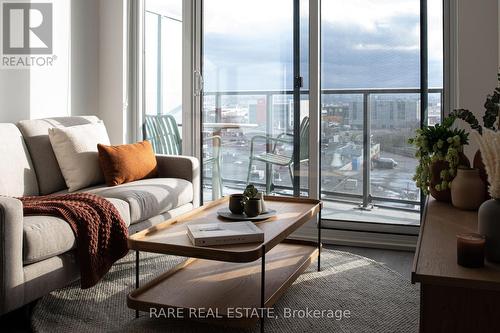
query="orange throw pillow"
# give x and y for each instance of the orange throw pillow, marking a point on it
(126, 163)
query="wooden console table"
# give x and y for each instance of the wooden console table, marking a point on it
(453, 298)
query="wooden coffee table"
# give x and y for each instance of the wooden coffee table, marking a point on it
(222, 279)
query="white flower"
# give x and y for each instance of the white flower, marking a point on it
(489, 144)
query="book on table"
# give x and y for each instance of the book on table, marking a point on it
(210, 234)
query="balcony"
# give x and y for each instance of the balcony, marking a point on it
(357, 124)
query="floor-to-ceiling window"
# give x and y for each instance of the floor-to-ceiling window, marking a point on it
(252, 100)
(253, 118)
(163, 58)
(435, 60)
(371, 105)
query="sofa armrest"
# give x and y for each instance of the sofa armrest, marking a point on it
(183, 167)
(11, 254)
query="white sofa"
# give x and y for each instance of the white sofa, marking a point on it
(37, 253)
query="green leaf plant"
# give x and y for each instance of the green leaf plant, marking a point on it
(438, 143)
(249, 193)
(442, 143)
(490, 118)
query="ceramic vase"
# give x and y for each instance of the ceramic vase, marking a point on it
(467, 189)
(236, 203)
(253, 207)
(436, 168)
(260, 195)
(489, 227)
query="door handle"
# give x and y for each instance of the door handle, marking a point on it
(198, 83)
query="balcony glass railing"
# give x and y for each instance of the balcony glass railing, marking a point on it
(356, 125)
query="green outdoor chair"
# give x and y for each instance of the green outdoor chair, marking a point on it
(164, 135)
(273, 157)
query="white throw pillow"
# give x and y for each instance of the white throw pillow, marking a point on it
(76, 152)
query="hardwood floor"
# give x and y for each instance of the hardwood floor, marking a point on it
(400, 261)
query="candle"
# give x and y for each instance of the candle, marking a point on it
(470, 250)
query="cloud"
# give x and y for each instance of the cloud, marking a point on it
(375, 47)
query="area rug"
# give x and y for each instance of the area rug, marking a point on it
(376, 298)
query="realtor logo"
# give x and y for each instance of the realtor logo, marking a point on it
(27, 28)
(27, 36)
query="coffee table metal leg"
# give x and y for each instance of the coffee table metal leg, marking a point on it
(262, 288)
(136, 277)
(319, 241)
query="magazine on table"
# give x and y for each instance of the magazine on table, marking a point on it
(209, 234)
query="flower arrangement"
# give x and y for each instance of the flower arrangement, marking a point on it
(489, 144)
(434, 144)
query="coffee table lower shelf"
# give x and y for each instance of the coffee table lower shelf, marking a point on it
(216, 288)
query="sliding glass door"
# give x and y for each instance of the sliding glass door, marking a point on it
(254, 106)
(247, 78)
(371, 105)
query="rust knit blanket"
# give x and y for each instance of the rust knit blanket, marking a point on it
(101, 233)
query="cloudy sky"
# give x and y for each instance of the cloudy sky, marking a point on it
(366, 44)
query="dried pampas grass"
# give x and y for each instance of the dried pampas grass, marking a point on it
(489, 143)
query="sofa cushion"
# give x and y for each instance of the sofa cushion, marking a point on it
(152, 221)
(45, 237)
(17, 176)
(123, 208)
(48, 236)
(76, 152)
(149, 197)
(36, 136)
(127, 163)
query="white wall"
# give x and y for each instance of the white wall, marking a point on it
(477, 55)
(99, 64)
(89, 78)
(14, 95)
(85, 24)
(113, 75)
(50, 87)
(43, 91)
